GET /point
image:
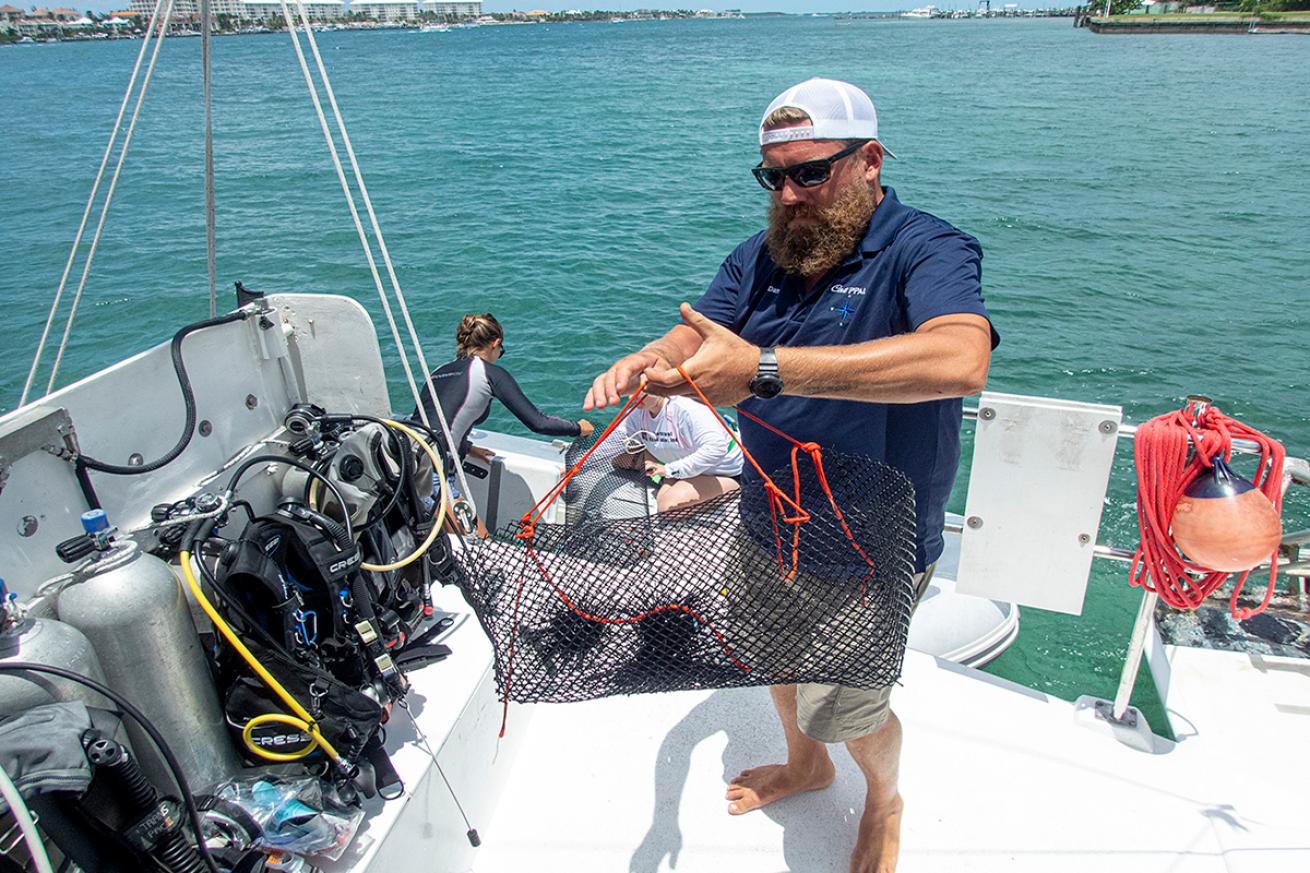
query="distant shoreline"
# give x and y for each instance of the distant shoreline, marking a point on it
(191, 28)
(1213, 23)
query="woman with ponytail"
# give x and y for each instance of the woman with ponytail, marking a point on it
(465, 387)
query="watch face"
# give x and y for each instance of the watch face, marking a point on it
(766, 385)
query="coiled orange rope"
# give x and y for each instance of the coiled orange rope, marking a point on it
(1170, 451)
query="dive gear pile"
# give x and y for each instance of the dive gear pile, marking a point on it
(318, 604)
(314, 564)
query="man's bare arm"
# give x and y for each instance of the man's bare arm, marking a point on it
(665, 353)
(947, 356)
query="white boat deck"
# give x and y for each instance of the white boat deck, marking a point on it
(995, 777)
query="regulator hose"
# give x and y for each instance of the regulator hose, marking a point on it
(438, 516)
(443, 499)
(112, 760)
(188, 398)
(299, 465)
(183, 787)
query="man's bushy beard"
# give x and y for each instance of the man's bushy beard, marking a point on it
(814, 249)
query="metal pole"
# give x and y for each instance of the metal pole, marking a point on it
(1136, 646)
(1129, 431)
(209, 152)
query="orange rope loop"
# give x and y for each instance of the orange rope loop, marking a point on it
(1170, 451)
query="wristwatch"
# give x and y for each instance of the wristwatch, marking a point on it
(767, 383)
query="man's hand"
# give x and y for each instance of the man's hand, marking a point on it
(621, 378)
(655, 469)
(585, 428)
(722, 367)
(483, 455)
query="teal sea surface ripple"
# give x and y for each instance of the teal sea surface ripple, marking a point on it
(1143, 203)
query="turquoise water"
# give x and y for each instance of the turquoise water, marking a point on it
(1144, 205)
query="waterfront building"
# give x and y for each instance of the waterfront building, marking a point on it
(9, 16)
(225, 7)
(316, 10)
(386, 10)
(451, 10)
(38, 27)
(183, 10)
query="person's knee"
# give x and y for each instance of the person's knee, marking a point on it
(675, 495)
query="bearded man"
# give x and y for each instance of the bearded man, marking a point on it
(856, 322)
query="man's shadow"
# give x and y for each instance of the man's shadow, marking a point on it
(818, 827)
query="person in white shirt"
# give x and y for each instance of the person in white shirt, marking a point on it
(679, 440)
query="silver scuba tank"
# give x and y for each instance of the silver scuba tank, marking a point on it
(52, 644)
(132, 609)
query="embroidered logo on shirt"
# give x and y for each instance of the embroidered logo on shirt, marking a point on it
(845, 309)
(774, 289)
(848, 290)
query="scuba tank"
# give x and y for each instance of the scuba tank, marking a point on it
(49, 642)
(131, 607)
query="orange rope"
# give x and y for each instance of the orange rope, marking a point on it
(1170, 451)
(816, 457)
(528, 523)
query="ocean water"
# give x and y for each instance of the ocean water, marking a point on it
(1143, 203)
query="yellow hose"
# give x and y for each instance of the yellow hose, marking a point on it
(302, 719)
(441, 504)
(308, 724)
(281, 718)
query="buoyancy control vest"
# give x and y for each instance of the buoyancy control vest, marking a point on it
(292, 583)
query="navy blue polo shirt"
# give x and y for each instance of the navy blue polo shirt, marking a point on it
(909, 268)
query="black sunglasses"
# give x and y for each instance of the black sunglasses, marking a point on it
(807, 174)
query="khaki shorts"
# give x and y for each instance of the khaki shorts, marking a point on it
(835, 713)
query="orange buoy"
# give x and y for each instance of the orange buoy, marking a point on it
(1223, 522)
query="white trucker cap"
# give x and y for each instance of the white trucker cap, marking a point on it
(837, 110)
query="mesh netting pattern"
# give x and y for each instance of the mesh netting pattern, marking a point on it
(602, 487)
(705, 596)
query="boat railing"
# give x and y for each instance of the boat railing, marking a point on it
(1296, 470)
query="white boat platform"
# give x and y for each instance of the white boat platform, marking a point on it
(995, 777)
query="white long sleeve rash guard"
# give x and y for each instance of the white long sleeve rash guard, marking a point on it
(685, 437)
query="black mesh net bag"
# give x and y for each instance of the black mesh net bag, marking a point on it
(754, 587)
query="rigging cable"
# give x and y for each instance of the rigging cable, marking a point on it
(90, 201)
(206, 66)
(359, 227)
(23, 818)
(109, 196)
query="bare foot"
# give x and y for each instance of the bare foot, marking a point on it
(879, 841)
(760, 786)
